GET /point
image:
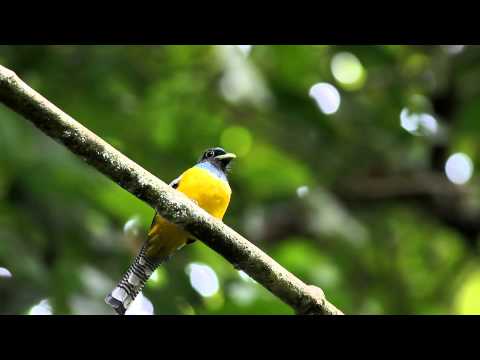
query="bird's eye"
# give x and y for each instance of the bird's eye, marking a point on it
(210, 153)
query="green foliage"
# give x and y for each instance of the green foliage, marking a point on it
(63, 226)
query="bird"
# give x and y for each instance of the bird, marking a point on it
(205, 183)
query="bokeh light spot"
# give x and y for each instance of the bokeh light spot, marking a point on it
(408, 121)
(132, 226)
(303, 191)
(348, 71)
(5, 273)
(245, 49)
(467, 298)
(42, 308)
(245, 277)
(459, 168)
(140, 306)
(236, 139)
(242, 294)
(203, 279)
(418, 124)
(241, 81)
(158, 278)
(326, 96)
(428, 124)
(454, 49)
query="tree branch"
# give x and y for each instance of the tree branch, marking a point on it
(171, 204)
(446, 201)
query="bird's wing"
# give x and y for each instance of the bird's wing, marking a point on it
(173, 184)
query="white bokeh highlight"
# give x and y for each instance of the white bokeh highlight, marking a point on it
(5, 273)
(428, 124)
(242, 293)
(459, 168)
(42, 308)
(454, 49)
(326, 96)
(140, 306)
(245, 49)
(418, 124)
(241, 81)
(132, 226)
(203, 279)
(245, 277)
(303, 191)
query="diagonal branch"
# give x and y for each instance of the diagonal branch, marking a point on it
(171, 204)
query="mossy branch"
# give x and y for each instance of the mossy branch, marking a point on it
(171, 204)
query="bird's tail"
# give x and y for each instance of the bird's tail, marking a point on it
(132, 282)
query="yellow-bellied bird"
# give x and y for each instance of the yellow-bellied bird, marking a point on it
(205, 183)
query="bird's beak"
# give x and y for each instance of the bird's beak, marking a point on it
(228, 156)
(225, 159)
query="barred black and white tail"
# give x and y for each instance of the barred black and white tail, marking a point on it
(132, 282)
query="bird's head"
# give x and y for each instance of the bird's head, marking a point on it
(218, 157)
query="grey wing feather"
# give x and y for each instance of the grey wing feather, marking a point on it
(173, 184)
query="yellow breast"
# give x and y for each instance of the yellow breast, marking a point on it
(208, 191)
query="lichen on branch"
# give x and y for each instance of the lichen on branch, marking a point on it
(171, 204)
